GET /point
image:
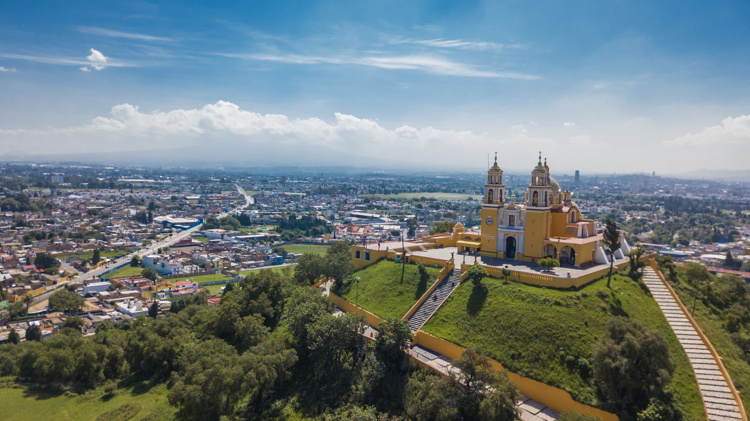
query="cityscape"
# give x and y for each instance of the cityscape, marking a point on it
(340, 211)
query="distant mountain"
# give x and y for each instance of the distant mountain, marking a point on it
(718, 175)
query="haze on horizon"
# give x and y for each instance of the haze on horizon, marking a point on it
(597, 86)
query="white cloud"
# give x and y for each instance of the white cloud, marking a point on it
(731, 131)
(120, 34)
(457, 43)
(7, 69)
(84, 69)
(430, 64)
(97, 59)
(569, 124)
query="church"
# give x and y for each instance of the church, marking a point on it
(547, 224)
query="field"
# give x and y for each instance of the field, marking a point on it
(126, 270)
(381, 290)
(306, 248)
(418, 195)
(257, 229)
(200, 278)
(547, 334)
(214, 289)
(713, 327)
(278, 269)
(140, 402)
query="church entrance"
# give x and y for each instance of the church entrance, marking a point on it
(567, 256)
(510, 247)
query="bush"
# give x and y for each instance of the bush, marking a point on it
(476, 274)
(548, 263)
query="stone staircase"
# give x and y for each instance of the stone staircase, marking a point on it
(717, 397)
(435, 300)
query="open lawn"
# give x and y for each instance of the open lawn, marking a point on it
(306, 248)
(200, 278)
(257, 228)
(87, 255)
(133, 403)
(126, 270)
(714, 327)
(278, 269)
(381, 290)
(419, 195)
(214, 289)
(546, 334)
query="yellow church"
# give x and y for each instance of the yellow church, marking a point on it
(547, 224)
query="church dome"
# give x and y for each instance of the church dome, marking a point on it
(553, 184)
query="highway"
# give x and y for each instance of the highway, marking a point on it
(151, 249)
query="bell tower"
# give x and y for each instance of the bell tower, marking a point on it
(492, 204)
(539, 193)
(494, 188)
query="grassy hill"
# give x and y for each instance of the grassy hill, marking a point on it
(307, 248)
(134, 403)
(124, 271)
(381, 290)
(548, 334)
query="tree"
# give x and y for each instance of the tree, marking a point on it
(392, 340)
(611, 245)
(309, 268)
(635, 262)
(729, 261)
(46, 261)
(441, 226)
(149, 273)
(13, 337)
(339, 262)
(412, 225)
(75, 323)
(135, 261)
(96, 257)
(66, 301)
(548, 263)
(16, 309)
(231, 221)
(631, 365)
(476, 274)
(153, 309)
(424, 276)
(33, 333)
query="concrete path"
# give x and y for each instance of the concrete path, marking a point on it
(717, 397)
(529, 409)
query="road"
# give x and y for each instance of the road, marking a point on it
(140, 253)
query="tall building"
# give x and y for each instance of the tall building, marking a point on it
(547, 224)
(578, 176)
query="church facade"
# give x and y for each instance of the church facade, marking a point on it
(547, 224)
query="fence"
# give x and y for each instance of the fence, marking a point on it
(704, 338)
(549, 281)
(550, 396)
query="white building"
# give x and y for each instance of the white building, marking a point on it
(95, 287)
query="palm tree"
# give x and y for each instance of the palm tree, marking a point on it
(612, 244)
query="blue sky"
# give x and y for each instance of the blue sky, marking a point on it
(659, 85)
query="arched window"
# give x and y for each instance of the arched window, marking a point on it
(545, 198)
(489, 196)
(367, 255)
(535, 198)
(357, 255)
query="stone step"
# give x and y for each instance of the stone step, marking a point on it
(726, 414)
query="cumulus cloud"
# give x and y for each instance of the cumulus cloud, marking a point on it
(84, 69)
(7, 69)
(731, 131)
(426, 63)
(97, 59)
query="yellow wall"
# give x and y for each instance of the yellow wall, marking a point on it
(559, 223)
(348, 307)
(489, 232)
(548, 281)
(550, 396)
(536, 230)
(375, 255)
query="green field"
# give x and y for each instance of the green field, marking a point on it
(214, 289)
(126, 270)
(544, 334)
(21, 404)
(418, 195)
(306, 248)
(714, 328)
(256, 229)
(201, 239)
(200, 278)
(381, 290)
(277, 269)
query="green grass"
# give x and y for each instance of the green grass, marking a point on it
(418, 195)
(381, 290)
(124, 271)
(201, 239)
(141, 403)
(257, 229)
(535, 331)
(713, 327)
(277, 269)
(200, 278)
(214, 289)
(307, 248)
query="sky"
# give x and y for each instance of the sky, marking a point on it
(599, 86)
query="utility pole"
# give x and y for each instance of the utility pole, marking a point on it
(403, 256)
